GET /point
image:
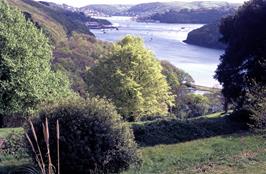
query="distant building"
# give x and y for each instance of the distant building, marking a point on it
(97, 25)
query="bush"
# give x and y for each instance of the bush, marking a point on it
(93, 139)
(176, 131)
(192, 105)
(14, 120)
(242, 115)
(13, 146)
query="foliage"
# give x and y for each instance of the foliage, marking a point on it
(242, 68)
(175, 76)
(75, 55)
(192, 105)
(13, 146)
(186, 103)
(63, 21)
(174, 131)
(92, 137)
(197, 105)
(206, 36)
(26, 78)
(57, 22)
(215, 102)
(132, 79)
(192, 16)
(256, 109)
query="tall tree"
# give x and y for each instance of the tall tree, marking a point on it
(243, 66)
(132, 79)
(26, 78)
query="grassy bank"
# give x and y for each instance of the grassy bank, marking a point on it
(232, 154)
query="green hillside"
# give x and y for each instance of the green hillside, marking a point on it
(75, 47)
(55, 20)
(230, 154)
(40, 16)
(206, 36)
(153, 9)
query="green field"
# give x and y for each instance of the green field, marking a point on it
(6, 131)
(232, 154)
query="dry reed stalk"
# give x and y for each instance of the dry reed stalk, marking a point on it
(33, 149)
(58, 148)
(38, 147)
(38, 154)
(46, 137)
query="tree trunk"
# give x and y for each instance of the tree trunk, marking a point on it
(1, 121)
(226, 106)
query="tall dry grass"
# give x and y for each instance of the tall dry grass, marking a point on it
(45, 168)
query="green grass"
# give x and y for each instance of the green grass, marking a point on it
(215, 115)
(9, 162)
(6, 131)
(237, 153)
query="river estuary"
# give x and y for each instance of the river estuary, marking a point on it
(166, 41)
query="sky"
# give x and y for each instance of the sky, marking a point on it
(81, 3)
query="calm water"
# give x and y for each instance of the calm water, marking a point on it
(166, 41)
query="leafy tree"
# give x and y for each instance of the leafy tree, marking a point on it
(26, 78)
(75, 54)
(216, 101)
(175, 76)
(243, 66)
(180, 83)
(132, 79)
(195, 105)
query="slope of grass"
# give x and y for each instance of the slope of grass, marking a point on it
(232, 154)
(6, 131)
(56, 21)
(55, 29)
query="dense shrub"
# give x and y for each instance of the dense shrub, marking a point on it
(258, 116)
(192, 105)
(175, 131)
(15, 120)
(93, 139)
(12, 146)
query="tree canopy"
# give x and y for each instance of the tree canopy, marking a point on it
(26, 78)
(243, 66)
(131, 77)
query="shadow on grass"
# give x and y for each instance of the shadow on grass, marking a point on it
(18, 169)
(15, 166)
(175, 131)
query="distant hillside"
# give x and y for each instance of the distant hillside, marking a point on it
(190, 12)
(202, 16)
(148, 9)
(206, 36)
(160, 11)
(105, 10)
(54, 19)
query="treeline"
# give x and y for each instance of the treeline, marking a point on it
(207, 36)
